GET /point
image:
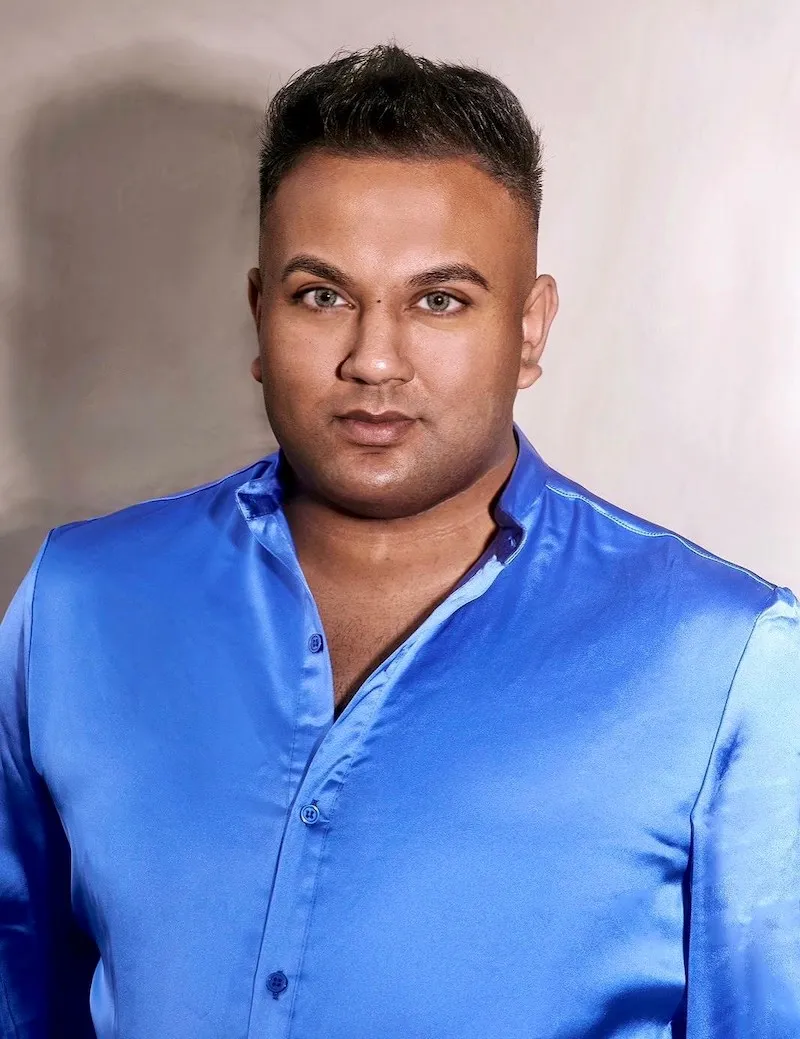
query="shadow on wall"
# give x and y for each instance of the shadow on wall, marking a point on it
(138, 197)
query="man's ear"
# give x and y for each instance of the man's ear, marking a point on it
(254, 293)
(538, 313)
(254, 299)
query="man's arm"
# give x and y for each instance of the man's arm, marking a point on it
(744, 922)
(45, 964)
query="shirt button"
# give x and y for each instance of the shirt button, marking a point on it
(315, 643)
(277, 982)
(309, 814)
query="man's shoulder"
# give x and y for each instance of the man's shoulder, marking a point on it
(651, 553)
(157, 521)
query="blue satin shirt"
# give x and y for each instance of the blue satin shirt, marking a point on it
(567, 807)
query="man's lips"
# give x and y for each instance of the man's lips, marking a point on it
(376, 416)
(375, 429)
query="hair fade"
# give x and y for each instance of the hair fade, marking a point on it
(387, 102)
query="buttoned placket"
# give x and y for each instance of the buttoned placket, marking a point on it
(323, 755)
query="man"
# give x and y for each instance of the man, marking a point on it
(397, 733)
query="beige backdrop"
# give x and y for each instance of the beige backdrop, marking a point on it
(671, 221)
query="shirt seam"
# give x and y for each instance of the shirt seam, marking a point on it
(28, 654)
(660, 534)
(6, 1002)
(724, 710)
(167, 497)
(31, 622)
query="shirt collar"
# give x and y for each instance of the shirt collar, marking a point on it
(260, 499)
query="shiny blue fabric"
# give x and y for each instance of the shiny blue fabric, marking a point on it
(567, 807)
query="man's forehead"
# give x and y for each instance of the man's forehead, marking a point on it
(370, 168)
(415, 213)
(340, 191)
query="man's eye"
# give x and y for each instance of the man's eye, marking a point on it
(439, 303)
(318, 299)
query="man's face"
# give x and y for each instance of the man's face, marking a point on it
(356, 309)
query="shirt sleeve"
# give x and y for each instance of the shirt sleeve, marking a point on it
(743, 889)
(45, 961)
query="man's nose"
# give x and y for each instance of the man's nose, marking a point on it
(377, 350)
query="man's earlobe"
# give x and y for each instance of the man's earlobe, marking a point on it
(529, 369)
(540, 309)
(255, 370)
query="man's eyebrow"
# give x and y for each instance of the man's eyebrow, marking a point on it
(314, 265)
(448, 272)
(424, 280)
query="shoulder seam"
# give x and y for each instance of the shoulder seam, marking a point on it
(164, 497)
(203, 486)
(758, 615)
(31, 622)
(660, 534)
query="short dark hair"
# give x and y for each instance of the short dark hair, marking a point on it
(387, 102)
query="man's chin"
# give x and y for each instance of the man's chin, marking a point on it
(381, 500)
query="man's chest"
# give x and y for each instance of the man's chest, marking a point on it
(363, 628)
(488, 817)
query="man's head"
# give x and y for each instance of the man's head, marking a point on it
(397, 272)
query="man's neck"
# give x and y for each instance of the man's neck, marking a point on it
(354, 549)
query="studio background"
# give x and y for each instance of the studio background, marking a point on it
(128, 219)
